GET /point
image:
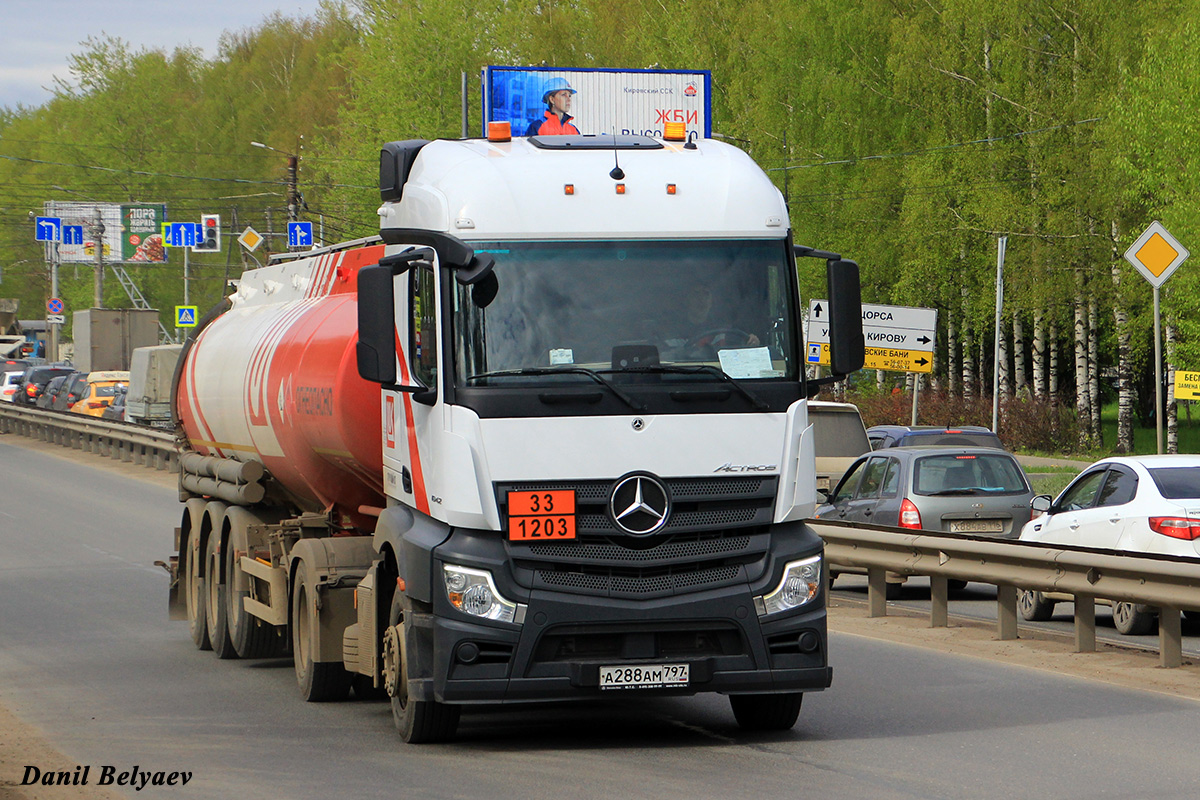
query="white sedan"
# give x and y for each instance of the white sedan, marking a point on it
(1140, 504)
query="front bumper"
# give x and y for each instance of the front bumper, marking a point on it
(566, 638)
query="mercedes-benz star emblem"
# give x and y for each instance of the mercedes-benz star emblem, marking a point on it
(639, 504)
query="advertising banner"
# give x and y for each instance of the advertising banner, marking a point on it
(132, 232)
(597, 101)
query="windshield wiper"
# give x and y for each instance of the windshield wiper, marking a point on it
(699, 369)
(591, 373)
(946, 492)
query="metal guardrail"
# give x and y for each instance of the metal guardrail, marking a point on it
(123, 441)
(1166, 582)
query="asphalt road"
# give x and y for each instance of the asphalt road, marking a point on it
(88, 656)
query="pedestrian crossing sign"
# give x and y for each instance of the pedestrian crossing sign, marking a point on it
(185, 316)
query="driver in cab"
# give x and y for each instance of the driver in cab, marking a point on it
(698, 335)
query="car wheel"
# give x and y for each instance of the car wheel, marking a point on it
(766, 712)
(1034, 606)
(1131, 622)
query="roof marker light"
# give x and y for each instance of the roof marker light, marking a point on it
(620, 188)
(670, 188)
(499, 131)
(674, 132)
(568, 188)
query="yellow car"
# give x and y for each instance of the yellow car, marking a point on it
(99, 392)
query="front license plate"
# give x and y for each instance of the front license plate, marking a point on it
(977, 526)
(644, 676)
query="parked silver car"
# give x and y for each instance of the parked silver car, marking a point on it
(973, 490)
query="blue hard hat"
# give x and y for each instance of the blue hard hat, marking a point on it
(556, 85)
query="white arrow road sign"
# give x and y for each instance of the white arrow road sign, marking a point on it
(901, 327)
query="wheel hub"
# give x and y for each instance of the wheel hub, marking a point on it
(393, 661)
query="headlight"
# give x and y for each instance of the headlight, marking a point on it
(473, 592)
(801, 583)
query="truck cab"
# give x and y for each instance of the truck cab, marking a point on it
(596, 450)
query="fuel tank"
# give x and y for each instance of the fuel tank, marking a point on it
(274, 379)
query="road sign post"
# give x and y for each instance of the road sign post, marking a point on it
(1157, 254)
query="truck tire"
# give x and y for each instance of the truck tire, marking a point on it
(250, 636)
(194, 590)
(418, 721)
(319, 681)
(214, 595)
(766, 712)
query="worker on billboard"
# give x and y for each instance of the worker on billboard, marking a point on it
(556, 120)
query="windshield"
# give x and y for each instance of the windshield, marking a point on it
(968, 474)
(628, 306)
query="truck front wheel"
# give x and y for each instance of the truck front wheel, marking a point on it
(418, 721)
(766, 712)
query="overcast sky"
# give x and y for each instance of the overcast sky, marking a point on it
(38, 36)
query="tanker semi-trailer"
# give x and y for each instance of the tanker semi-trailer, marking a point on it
(543, 438)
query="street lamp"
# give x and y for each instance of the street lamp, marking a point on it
(293, 194)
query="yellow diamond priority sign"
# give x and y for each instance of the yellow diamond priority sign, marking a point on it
(1156, 254)
(250, 239)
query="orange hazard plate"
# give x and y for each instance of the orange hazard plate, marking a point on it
(541, 515)
(524, 529)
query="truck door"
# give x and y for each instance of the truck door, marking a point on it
(409, 415)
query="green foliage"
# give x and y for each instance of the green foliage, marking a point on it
(907, 134)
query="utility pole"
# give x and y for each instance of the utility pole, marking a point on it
(293, 194)
(98, 279)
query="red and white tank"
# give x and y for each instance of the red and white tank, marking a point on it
(275, 379)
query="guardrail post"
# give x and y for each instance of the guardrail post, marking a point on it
(939, 606)
(1006, 612)
(1085, 623)
(1170, 638)
(876, 592)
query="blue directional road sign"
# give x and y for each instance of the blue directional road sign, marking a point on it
(72, 234)
(300, 234)
(183, 234)
(49, 229)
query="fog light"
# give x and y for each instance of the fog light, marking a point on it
(800, 585)
(473, 592)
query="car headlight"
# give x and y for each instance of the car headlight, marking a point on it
(800, 585)
(473, 592)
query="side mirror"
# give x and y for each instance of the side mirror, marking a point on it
(1041, 504)
(375, 351)
(847, 345)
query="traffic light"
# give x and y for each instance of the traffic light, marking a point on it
(210, 234)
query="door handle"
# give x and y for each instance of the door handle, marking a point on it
(1074, 526)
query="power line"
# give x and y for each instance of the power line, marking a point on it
(928, 150)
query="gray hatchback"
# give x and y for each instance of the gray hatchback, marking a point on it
(970, 490)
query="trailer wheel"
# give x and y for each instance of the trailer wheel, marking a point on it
(251, 637)
(319, 681)
(766, 712)
(215, 590)
(418, 721)
(194, 589)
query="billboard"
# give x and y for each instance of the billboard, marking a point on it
(132, 232)
(601, 100)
